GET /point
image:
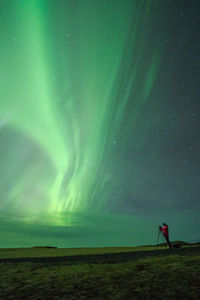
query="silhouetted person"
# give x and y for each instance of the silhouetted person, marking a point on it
(165, 232)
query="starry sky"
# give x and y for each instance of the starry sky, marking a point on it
(99, 122)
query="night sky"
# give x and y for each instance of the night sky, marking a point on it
(99, 121)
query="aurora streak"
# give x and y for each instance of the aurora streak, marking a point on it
(77, 77)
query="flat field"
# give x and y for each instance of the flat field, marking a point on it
(100, 273)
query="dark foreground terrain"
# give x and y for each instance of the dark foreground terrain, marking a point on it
(101, 273)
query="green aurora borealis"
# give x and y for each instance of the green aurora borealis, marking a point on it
(81, 81)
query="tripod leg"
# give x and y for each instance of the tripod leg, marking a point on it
(158, 237)
(163, 239)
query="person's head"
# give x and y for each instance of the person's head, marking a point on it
(164, 224)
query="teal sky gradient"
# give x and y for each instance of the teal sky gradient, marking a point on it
(79, 88)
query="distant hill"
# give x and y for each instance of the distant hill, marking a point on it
(44, 247)
(181, 243)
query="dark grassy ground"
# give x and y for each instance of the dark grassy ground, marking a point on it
(149, 274)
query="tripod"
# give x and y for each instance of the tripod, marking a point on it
(160, 233)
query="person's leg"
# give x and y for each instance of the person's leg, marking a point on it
(168, 242)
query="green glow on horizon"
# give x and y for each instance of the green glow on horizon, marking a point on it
(69, 93)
